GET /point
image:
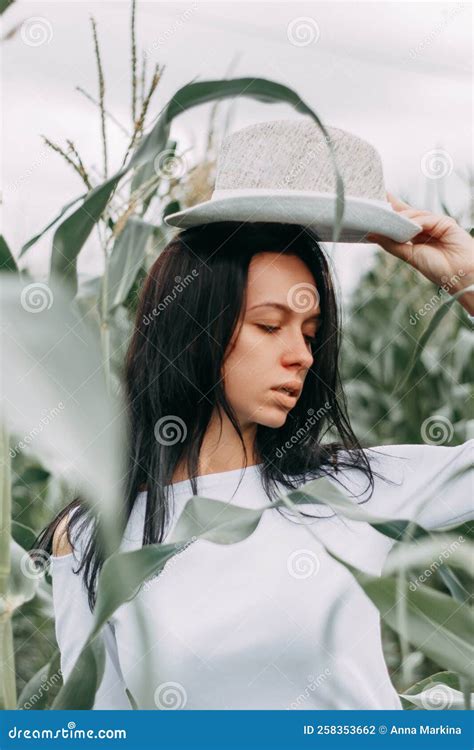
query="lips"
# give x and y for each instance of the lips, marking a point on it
(284, 399)
(291, 388)
(288, 393)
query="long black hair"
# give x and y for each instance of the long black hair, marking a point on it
(190, 304)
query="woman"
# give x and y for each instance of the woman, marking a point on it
(234, 394)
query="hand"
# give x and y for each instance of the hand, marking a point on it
(443, 252)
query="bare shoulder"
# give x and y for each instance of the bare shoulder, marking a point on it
(61, 544)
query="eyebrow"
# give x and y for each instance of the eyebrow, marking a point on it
(279, 306)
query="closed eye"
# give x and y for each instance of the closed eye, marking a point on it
(269, 329)
(272, 329)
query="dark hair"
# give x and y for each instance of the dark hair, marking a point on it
(190, 304)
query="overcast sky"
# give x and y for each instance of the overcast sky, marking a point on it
(397, 74)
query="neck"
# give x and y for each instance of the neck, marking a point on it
(222, 449)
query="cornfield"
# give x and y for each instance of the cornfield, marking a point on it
(62, 390)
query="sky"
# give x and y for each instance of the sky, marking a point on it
(397, 74)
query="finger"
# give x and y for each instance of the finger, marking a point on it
(413, 212)
(397, 203)
(433, 226)
(402, 250)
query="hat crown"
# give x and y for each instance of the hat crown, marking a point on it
(294, 155)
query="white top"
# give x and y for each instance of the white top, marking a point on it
(273, 621)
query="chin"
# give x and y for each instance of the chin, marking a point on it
(270, 417)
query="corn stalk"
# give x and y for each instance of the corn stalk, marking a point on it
(8, 686)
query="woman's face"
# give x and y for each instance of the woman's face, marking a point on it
(273, 347)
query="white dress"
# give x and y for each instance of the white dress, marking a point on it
(273, 621)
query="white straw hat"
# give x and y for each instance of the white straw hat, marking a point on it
(282, 171)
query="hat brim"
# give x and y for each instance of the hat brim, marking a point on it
(314, 210)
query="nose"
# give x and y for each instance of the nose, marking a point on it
(297, 352)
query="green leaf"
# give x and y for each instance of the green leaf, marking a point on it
(23, 581)
(7, 261)
(40, 690)
(38, 236)
(453, 584)
(426, 335)
(434, 550)
(4, 4)
(84, 681)
(71, 235)
(220, 523)
(23, 535)
(323, 492)
(171, 208)
(436, 625)
(54, 371)
(146, 172)
(121, 576)
(126, 259)
(440, 692)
